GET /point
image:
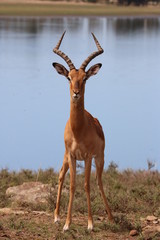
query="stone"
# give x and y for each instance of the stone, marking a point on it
(29, 192)
(133, 233)
(11, 211)
(150, 231)
(142, 219)
(101, 218)
(151, 218)
(155, 221)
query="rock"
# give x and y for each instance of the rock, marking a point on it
(29, 192)
(101, 218)
(155, 221)
(149, 232)
(133, 233)
(151, 218)
(41, 213)
(11, 211)
(150, 227)
(142, 219)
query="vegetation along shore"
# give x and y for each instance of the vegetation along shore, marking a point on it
(62, 8)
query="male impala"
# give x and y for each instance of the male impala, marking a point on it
(83, 136)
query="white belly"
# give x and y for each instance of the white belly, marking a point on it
(78, 151)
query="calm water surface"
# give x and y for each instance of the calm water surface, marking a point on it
(124, 95)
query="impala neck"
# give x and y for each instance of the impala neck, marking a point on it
(77, 116)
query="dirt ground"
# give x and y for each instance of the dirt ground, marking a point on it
(38, 225)
(134, 197)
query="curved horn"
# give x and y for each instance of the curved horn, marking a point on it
(93, 55)
(62, 54)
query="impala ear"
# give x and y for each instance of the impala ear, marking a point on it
(93, 70)
(60, 69)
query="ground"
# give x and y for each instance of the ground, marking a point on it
(133, 196)
(39, 225)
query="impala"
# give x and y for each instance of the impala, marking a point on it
(83, 136)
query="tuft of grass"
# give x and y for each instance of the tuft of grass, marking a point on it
(16, 225)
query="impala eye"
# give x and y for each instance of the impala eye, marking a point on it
(69, 79)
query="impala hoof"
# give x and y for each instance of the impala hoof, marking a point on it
(56, 219)
(66, 227)
(90, 225)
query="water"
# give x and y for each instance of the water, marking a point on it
(124, 95)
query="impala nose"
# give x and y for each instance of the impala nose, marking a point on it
(75, 93)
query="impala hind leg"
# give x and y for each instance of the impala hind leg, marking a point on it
(72, 167)
(62, 173)
(99, 167)
(88, 163)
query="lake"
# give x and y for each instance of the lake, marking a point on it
(124, 95)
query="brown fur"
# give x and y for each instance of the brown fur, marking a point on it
(84, 140)
(83, 136)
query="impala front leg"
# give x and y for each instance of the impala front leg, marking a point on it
(88, 163)
(99, 168)
(62, 173)
(72, 167)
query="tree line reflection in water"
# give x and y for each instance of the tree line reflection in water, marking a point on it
(123, 25)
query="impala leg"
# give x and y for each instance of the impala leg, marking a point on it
(62, 173)
(72, 167)
(87, 189)
(99, 167)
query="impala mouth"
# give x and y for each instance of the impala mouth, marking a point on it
(76, 96)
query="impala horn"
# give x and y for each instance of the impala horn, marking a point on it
(62, 54)
(93, 55)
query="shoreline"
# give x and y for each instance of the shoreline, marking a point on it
(81, 16)
(63, 9)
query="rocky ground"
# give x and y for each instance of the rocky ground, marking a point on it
(37, 225)
(22, 223)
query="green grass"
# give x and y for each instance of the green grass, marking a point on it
(61, 9)
(131, 195)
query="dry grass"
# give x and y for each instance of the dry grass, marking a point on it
(127, 191)
(16, 8)
(131, 195)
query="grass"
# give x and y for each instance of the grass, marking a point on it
(127, 191)
(131, 195)
(72, 9)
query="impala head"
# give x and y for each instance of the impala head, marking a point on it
(77, 78)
